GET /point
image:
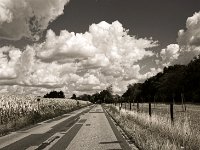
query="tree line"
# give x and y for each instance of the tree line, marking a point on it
(176, 84)
(55, 94)
(104, 96)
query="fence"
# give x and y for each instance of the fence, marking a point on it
(158, 108)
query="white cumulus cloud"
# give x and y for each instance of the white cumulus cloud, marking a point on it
(191, 36)
(27, 18)
(188, 45)
(81, 62)
(9, 57)
(170, 54)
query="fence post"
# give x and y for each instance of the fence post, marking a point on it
(1, 114)
(125, 106)
(150, 109)
(130, 105)
(38, 100)
(120, 106)
(138, 107)
(183, 101)
(172, 112)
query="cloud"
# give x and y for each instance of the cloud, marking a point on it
(65, 47)
(191, 36)
(188, 45)
(9, 57)
(27, 18)
(81, 62)
(189, 40)
(33, 72)
(102, 41)
(105, 47)
(169, 54)
(88, 79)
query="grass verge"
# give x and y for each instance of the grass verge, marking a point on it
(156, 132)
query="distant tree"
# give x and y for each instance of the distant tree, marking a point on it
(106, 95)
(61, 94)
(84, 97)
(116, 98)
(95, 98)
(55, 94)
(73, 96)
(133, 93)
(128, 95)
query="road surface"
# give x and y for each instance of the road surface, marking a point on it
(89, 128)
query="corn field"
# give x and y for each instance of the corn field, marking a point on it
(17, 111)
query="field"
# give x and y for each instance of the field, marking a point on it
(17, 111)
(192, 112)
(157, 132)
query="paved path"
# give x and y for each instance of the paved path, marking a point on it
(86, 129)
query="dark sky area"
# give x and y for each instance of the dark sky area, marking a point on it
(88, 63)
(160, 19)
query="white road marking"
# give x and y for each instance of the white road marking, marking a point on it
(32, 148)
(54, 141)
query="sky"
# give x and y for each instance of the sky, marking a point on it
(84, 46)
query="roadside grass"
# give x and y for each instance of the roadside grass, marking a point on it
(17, 111)
(156, 132)
(192, 113)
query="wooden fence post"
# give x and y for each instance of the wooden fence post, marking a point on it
(150, 109)
(1, 114)
(172, 112)
(38, 101)
(138, 107)
(130, 105)
(183, 101)
(120, 106)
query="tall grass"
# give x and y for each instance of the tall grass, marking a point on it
(17, 111)
(157, 132)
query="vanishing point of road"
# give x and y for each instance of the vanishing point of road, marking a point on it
(89, 128)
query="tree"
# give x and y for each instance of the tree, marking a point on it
(55, 94)
(73, 96)
(133, 93)
(192, 81)
(171, 83)
(84, 97)
(105, 96)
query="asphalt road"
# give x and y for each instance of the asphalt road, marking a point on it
(86, 129)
